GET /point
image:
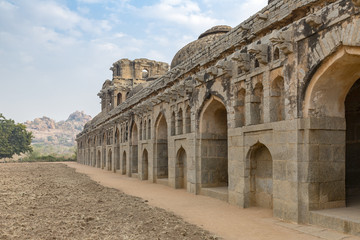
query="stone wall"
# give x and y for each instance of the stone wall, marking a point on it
(262, 116)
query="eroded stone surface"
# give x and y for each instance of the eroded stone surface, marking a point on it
(279, 80)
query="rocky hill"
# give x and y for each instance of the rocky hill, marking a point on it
(56, 137)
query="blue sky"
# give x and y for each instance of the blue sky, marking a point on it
(55, 54)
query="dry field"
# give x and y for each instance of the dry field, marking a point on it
(52, 201)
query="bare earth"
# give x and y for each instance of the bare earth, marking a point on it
(52, 201)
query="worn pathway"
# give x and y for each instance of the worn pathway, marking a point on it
(218, 217)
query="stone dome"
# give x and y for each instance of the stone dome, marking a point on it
(204, 40)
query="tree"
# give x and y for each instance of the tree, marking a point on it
(14, 139)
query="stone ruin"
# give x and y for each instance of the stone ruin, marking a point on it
(265, 114)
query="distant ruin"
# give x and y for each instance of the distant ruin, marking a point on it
(264, 114)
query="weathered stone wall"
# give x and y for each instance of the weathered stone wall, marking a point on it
(259, 113)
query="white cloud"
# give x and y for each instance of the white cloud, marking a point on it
(56, 55)
(181, 13)
(5, 5)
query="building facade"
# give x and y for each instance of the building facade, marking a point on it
(264, 114)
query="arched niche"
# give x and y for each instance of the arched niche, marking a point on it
(181, 169)
(134, 148)
(214, 145)
(145, 165)
(161, 134)
(260, 176)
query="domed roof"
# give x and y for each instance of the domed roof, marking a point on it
(198, 45)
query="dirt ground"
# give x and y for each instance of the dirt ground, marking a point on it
(52, 201)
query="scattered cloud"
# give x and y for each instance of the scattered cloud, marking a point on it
(186, 14)
(57, 53)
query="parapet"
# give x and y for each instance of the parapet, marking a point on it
(138, 69)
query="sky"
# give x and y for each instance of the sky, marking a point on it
(56, 54)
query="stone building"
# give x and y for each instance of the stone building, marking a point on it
(264, 114)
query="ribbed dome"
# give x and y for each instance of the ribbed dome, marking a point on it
(204, 40)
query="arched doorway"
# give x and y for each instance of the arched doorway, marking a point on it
(98, 159)
(331, 98)
(103, 159)
(109, 160)
(145, 165)
(352, 115)
(261, 176)
(181, 169)
(162, 148)
(123, 167)
(134, 149)
(117, 150)
(214, 146)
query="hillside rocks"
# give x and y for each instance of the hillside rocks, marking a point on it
(57, 137)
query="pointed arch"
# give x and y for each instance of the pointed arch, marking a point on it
(109, 161)
(119, 98)
(180, 125)
(276, 54)
(261, 176)
(325, 94)
(214, 145)
(161, 136)
(134, 148)
(149, 129)
(240, 108)
(181, 169)
(330, 95)
(141, 130)
(188, 119)
(277, 100)
(145, 165)
(172, 124)
(123, 165)
(257, 104)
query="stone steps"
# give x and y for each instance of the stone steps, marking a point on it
(346, 220)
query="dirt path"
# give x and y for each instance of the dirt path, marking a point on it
(52, 201)
(224, 220)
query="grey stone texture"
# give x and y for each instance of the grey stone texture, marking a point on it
(264, 114)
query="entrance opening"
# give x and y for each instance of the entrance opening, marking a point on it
(117, 150)
(181, 169)
(103, 158)
(214, 146)
(145, 165)
(109, 160)
(352, 115)
(261, 180)
(98, 160)
(134, 149)
(162, 148)
(124, 163)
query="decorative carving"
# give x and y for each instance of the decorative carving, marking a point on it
(212, 71)
(314, 20)
(260, 51)
(243, 60)
(189, 87)
(199, 77)
(244, 27)
(284, 41)
(262, 16)
(225, 66)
